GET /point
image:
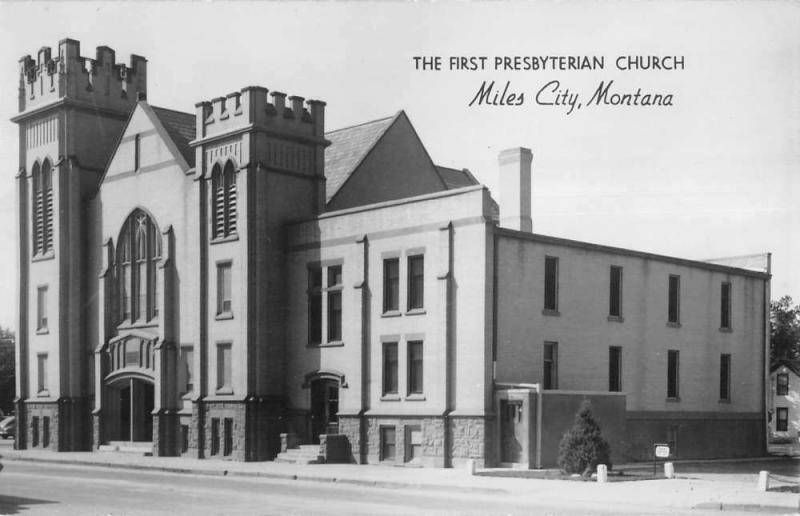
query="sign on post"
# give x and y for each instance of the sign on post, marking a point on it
(660, 451)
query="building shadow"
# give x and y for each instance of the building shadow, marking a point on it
(19, 504)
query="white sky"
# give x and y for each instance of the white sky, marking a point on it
(714, 175)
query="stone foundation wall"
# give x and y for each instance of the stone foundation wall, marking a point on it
(220, 411)
(351, 428)
(165, 434)
(38, 435)
(470, 438)
(431, 449)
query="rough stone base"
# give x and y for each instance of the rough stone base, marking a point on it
(165, 434)
(470, 438)
(42, 426)
(254, 429)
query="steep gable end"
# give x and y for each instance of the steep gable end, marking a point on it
(395, 165)
(153, 139)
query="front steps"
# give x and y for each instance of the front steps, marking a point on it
(304, 454)
(145, 449)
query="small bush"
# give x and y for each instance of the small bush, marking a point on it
(582, 448)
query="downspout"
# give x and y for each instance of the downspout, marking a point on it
(766, 345)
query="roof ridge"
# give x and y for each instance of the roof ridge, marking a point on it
(172, 110)
(384, 119)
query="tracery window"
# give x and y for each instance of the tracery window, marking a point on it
(42, 206)
(138, 252)
(224, 200)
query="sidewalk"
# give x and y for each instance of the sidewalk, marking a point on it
(712, 491)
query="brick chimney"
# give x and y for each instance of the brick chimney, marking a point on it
(515, 189)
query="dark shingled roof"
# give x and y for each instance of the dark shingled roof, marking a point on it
(347, 149)
(181, 129)
(793, 365)
(456, 178)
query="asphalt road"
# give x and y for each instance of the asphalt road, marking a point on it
(34, 488)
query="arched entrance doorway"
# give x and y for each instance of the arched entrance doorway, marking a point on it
(135, 402)
(324, 407)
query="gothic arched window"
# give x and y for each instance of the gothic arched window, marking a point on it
(138, 252)
(42, 206)
(223, 192)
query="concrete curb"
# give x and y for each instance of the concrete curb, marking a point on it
(385, 484)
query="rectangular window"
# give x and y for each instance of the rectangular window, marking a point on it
(725, 306)
(334, 303)
(782, 387)
(35, 431)
(725, 377)
(550, 376)
(416, 282)
(615, 369)
(41, 309)
(184, 438)
(227, 447)
(186, 370)
(551, 283)
(674, 299)
(388, 445)
(136, 152)
(223, 288)
(782, 423)
(391, 285)
(673, 377)
(41, 368)
(413, 443)
(45, 432)
(315, 305)
(214, 436)
(415, 367)
(615, 292)
(224, 367)
(389, 368)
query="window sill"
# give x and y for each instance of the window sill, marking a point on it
(673, 325)
(43, 394)
(726, 330)
(224, 316)
(128, 325)
(222, 240)
(49, 255)
(391, 313)
(415, 397)
(224, 391)
(42, 331)
(331, 344)
(416, 311)
(550, 312)
(616, 318)
(390, 397)
(726, 402)
(673, 400)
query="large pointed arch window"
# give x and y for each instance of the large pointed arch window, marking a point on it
(42, 205)
(138, 253)
(224, 200)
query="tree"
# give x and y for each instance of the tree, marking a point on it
(583, 447)
(784, 329)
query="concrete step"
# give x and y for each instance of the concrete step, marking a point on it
(304, 454)
(144, 449)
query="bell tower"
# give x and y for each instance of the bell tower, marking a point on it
(72, 111)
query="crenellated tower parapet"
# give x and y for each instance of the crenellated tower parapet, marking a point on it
(256, 106)
(100, 82)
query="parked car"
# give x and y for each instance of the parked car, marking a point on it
(8, 427)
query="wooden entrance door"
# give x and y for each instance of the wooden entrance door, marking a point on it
(324, 408)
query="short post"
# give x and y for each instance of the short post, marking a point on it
(602, 473)
(471, 467)
(669, 470)
(763, 480)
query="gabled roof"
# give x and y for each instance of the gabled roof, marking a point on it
(793, 365)
(347, 150)
(456, 178)
(181, 129)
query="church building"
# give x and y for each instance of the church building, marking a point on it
(235, 282)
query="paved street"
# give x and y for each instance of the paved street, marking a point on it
(42, 488)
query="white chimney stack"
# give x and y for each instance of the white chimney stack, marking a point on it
(515, 189)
